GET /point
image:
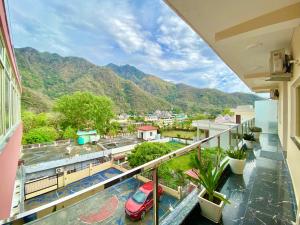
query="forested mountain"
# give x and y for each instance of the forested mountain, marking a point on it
(48, 76)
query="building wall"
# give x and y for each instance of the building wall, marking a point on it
(10, 125)
(287, 119)
(146, 135)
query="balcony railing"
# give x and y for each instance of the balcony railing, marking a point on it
(224, 139)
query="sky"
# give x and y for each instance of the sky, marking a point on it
(144, 33)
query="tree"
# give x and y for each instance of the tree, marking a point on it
(146, 152)
(69, 133)
(32, 120)
(40, 135)
(227, 111)
(131, 128)
(114, 128)
(85, 110)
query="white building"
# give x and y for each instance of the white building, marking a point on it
(147, 133)
(246, 112)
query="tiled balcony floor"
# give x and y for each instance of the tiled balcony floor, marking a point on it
(263, 195)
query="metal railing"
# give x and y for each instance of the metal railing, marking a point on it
(153, 165)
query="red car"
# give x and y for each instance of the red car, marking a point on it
(142, 201)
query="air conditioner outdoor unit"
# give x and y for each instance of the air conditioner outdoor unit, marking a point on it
(280, 66)
(59, 170)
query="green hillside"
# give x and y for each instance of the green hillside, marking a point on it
(48, 76)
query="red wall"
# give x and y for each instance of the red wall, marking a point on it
(8, 167)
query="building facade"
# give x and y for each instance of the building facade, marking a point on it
(10, 117)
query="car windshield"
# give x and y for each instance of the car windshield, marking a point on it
(139, 197)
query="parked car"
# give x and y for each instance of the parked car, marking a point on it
(141, 201)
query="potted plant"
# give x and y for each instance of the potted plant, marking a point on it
(249, 140)
(237, 160)
(256, 131)
(211, 202)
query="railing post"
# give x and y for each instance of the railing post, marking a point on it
(155, 197)
(199, 153)
(229, 134)
(242, 128)
(237, 137)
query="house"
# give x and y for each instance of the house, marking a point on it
(245, 112)
(87, 137)
(147, 133)
(151, 118)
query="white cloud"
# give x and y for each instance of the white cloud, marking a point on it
(146, 34)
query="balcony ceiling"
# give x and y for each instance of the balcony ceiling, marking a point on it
(243, 33)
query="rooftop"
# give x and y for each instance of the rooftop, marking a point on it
(147, 128)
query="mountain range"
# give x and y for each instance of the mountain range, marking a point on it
(47, 76)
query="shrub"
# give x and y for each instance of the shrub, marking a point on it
(255, 129)
(148, 151)
(69, 133)
(40, 135)
(249, 137)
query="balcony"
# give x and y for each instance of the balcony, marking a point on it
(263, 195)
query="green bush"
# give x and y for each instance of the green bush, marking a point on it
(69, 133)
(249, 137)
(40, 135)
(148, 151)
(255, 129)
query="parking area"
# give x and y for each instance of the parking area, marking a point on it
(71, 188)
(106, 207)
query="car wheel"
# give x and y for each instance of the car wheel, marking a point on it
(143, 215)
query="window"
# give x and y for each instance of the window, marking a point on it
(7, 102)
(150, 133)
(9, 96)
(2, 125)
(297, 131)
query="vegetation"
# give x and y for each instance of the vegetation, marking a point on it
(248, 137)
(173, 170)
(49, 76)
(77, 111)
(114, 128)
(69, 133)
(149, 151)
(227, 111)
(255, 129)
(209, 176)
(38, 128)
(236, 154)
(179, 134)
(83, 110)
(202, 116)
(131, 128)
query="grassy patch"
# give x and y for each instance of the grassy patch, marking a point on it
(173, 145)
(184, 162)
(179, 133)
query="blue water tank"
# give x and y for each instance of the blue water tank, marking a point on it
(80, 141)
